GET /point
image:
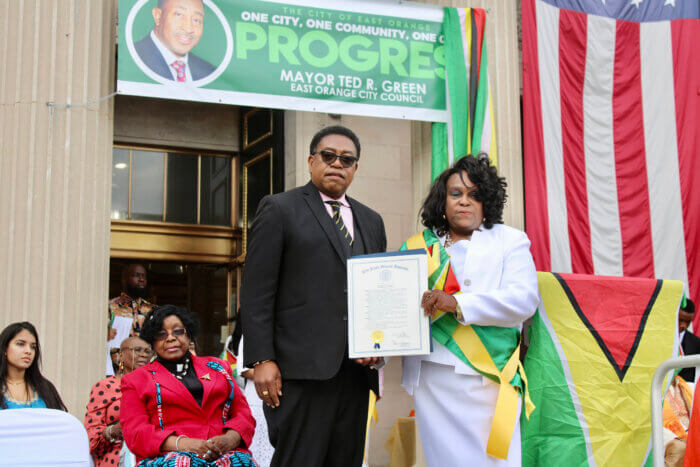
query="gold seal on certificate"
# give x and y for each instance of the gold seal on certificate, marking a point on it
(385, 317)
(377, 337)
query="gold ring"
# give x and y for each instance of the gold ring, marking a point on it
(265, 393)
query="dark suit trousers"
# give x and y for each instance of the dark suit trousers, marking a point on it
(321, 423)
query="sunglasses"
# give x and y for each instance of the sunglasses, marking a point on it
(162, 335)
(141, 350)
(329, 158)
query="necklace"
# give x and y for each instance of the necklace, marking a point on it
(181, 369)
(27, 397)
(14, 382)
(448, 240)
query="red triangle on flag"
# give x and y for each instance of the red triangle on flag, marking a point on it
(615, 311)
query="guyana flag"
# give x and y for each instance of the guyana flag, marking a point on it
(471, 127)
(595, 343)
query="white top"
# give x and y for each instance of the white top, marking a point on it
(171, 57)
(498, 281)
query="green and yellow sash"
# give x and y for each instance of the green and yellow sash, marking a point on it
(491, 350)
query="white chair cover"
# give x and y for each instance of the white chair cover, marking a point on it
(42, 437)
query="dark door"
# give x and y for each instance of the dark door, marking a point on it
(262, 160)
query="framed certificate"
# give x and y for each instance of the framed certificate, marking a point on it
(385, 316)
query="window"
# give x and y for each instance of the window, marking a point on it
(174, 187)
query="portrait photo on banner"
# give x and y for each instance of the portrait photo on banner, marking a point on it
(179, 42)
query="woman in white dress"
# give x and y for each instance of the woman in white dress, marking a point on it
(483, 286)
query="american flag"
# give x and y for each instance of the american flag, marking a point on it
(611, 101)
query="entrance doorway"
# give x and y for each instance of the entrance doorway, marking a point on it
(204, 289)
(183, 210)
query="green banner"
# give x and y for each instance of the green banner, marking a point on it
(361, 57)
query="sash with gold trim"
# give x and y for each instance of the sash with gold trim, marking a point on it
(491, 350)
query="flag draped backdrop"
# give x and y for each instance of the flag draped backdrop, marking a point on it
(470, 128)
(611, 99)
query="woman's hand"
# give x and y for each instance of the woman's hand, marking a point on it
(113, 433)
(195, 445)
(182, 443)
(116, 431)
(220, 445)
(437, 300)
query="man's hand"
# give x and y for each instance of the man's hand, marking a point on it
(437, 300)
(369, 361)
(111, 333)
(268, 383)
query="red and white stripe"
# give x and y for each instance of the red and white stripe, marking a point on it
(611, 144)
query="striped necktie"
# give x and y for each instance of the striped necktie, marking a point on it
(338, 220)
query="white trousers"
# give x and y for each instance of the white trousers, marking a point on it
(454, 414)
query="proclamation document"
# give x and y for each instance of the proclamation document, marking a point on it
(385, 316)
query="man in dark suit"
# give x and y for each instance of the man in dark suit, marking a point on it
(294, 310)
(690, 343)
(178, 26)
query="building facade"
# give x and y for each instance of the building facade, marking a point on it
(75, 160)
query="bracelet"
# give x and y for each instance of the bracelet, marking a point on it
(458, 314)
(177, 440)
(260, 362)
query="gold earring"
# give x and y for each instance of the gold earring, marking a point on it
(121, 367)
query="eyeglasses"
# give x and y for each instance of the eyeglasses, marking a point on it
(142, 350)
(329, 158)
(162, 335)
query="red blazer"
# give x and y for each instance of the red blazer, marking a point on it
(181, 413)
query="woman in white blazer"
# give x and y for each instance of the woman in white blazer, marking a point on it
(483, 290)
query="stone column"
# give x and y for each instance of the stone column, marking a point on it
(57, 64)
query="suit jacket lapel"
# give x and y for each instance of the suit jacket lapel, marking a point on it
(313, 199)
(160, 66)
(358, 220)
(202, 369)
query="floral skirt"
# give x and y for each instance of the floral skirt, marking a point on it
(190, 459)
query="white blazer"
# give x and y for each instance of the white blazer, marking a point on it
(498, 282)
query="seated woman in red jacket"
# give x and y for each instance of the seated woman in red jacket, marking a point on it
(181, 407)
